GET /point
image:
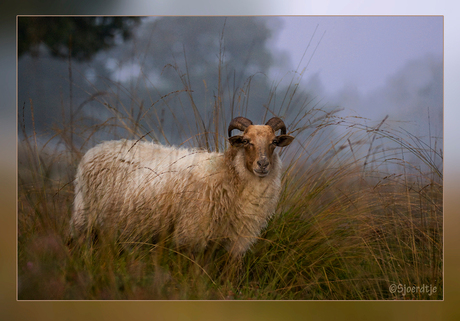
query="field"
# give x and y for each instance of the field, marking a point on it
(360, 215)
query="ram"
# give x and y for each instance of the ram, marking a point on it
(143, 191)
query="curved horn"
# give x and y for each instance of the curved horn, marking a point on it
(276, 123)
(240, 123)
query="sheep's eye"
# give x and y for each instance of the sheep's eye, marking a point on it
(275, 142)
(245, 141)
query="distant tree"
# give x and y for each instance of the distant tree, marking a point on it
(194, 45)
(83, 36)
(244, 43)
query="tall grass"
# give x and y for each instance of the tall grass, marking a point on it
(360, 211)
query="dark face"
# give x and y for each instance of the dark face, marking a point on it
(259, 143)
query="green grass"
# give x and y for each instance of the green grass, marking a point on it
(361, 209)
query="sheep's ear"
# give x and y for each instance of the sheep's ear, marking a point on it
(284, 140)
(236, 141)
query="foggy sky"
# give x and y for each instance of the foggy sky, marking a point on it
(359, 51)
(371, 66)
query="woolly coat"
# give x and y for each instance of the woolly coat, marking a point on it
(144, 191)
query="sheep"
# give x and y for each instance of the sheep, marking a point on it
(143, 191)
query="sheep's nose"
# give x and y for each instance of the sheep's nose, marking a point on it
(263, 163)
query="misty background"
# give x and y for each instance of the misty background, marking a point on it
(160, 67)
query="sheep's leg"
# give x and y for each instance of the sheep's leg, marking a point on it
(233, 268)
(78, 222)
(240, 246)
(82, 222)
